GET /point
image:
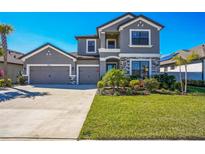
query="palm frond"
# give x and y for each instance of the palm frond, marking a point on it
(6, 29)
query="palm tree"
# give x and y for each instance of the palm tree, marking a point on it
(1, 51)
(179, 60)
(4, 31)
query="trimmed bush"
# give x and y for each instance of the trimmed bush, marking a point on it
(21, 80)
(129, 91)
(166, 81)
(151, 84)
(2, 83)
(134, 84)
(198, 83)
(101, 84)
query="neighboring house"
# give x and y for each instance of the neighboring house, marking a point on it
(195, 70)
(128, 42)
(15, 65)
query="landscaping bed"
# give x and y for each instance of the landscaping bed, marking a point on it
(153, 116)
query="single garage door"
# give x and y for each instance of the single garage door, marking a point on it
(49, 74)
(88, 75)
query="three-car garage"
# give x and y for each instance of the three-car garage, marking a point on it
(51, 65)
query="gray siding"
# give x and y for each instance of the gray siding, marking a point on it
(54, 58)
(125, 38)
(88, 62)
(82, 47)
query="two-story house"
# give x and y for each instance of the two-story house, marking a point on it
(129, 42)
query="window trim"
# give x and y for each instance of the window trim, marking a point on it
(150, 65)
(141, 46)
(87, 40)
(107, 40)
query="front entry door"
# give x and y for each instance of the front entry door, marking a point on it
(111, 66)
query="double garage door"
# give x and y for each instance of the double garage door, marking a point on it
(60, 75)
(49, 74)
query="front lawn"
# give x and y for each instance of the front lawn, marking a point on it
(146, 117)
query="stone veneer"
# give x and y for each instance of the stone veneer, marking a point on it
(125, 64)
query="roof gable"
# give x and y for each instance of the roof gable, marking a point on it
(144, 19)
(42, 48)
(114, 21)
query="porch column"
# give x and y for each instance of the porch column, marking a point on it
(102, 67)
(102, 39)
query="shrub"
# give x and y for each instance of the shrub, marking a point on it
(166, 81)
(116, 93)
(101, 84)
(151, 84)
(134, 84)
(198, 83)
(134, 77)
(114, 77)
(124, 82)
(128, 91)
(177, 86)
(21, 80)
(2, 83)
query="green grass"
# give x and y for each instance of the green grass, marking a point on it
(146, 117)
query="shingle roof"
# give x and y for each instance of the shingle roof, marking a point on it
(142, 16)
(44, 46)
(200, 50)
(82, 57)
(86, 36)
(13, 57)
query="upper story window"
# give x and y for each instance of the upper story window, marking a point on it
(111, 43)
(91, 46)
(140, 38)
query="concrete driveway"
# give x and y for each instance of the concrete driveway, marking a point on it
(44, 111)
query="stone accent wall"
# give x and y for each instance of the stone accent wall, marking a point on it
(125, 64)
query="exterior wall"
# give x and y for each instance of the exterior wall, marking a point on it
(82, 47)
(125, 39)
(203, 69)
(194, 71)
(108, 54)
(87, 62)
(13, 71)
(54, 58)
(125, 64)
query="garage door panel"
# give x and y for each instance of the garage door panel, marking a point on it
(49, 74)
(88, 75)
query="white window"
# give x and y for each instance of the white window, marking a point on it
(91, 45)
(140, 38)
(111, 43)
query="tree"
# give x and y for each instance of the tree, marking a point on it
(4, 31)
(113, 78)
(179, 61)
